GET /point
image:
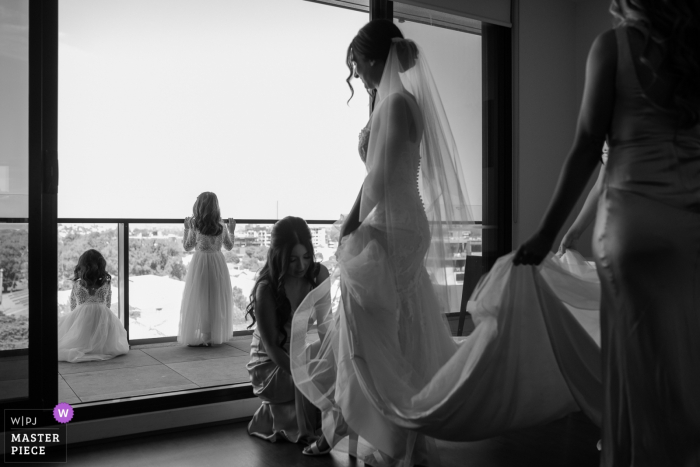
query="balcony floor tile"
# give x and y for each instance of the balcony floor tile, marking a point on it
(241, 342)
(126, 382)
(214, 372)
(135, 358)
(182, 353)
(65, 393)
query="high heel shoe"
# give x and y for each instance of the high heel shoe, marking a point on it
(313, 450)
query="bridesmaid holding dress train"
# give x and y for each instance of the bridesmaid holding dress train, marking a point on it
(642, 93)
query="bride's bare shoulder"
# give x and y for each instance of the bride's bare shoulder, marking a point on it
(400, 107)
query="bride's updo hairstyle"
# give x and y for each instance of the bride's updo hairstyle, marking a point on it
(374, 41)
(286, 234)
(675, 26)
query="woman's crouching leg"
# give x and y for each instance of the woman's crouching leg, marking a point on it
(285, 413)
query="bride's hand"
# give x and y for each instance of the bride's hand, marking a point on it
(187, 223)
(534, 250)
(231, 225)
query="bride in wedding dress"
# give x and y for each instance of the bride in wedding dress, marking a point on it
(385, 371)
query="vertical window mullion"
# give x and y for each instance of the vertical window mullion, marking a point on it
(123, 241)
(43, 186)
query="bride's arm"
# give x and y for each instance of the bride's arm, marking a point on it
(392, 125)
(352, 221)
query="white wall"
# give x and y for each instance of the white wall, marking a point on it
(545, 108)
(553, 38)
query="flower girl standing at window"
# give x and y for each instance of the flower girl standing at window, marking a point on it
(91, 331)
(206, 313)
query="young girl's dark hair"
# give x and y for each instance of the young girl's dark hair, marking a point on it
(286, 234)
(675, 26)
(373, 42)
(206, 216)
(91, 270)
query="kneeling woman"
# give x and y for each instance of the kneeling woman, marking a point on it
(289, 274)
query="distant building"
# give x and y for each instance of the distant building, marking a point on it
(262, 237)
(319, 236)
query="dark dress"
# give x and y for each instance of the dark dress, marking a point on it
(285, 413)
(647, 248)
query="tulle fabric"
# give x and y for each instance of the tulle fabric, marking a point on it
(90, 332)
(206, 311)
(533, 357)
(386, 372)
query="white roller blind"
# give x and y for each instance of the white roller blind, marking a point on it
(488, 11)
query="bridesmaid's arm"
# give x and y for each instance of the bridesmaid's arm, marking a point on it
(585, 217)
(266, 316)
(322, 274)
(593, 125)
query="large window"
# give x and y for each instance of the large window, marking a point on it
(162, 100)
(453, 48)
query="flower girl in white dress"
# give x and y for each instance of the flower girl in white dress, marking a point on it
(206, 312)
(91, 331)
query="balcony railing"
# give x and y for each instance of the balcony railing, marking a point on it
(148, 265)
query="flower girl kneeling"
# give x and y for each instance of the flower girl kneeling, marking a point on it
(91, 331)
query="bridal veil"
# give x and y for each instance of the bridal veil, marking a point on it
(370, 346)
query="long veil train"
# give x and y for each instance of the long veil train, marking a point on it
(385, 370)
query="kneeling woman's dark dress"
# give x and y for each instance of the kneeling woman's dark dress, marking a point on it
(285, 413)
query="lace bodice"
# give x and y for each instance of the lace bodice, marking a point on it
(80, 295)
(363, 142)
(200, 242)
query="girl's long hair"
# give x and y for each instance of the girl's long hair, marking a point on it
(91, 270)
(286, 234)
(675, 26)
(206, 214)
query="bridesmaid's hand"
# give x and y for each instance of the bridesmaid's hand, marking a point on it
(533, 251)
(231, 225)
(188, 223)
(568, 242)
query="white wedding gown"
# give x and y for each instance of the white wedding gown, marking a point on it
(90, 331)
(206, 309)
(386, 372)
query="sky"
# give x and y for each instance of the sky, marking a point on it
(160, 100)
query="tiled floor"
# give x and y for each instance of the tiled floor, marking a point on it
(155, 369)
(146, 369)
